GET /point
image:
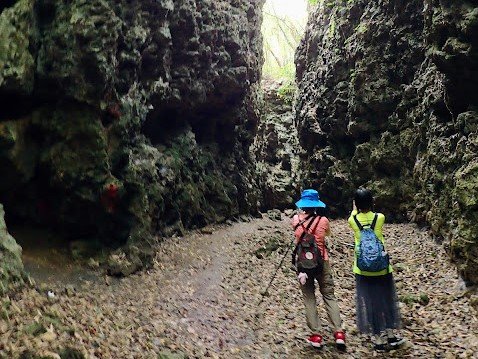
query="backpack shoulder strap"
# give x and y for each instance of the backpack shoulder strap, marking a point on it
(306, 229)
(310, 223)
(317, 223)
(302, 222)
(374, 222)
(359, 225)
(294, 253)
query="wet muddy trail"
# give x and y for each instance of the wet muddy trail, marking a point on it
(201, 299)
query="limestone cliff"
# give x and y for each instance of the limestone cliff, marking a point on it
(387, 100)
(276, 149)
(122, 118)
(11, 273)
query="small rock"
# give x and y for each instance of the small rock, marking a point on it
(3, 326)
(93, 263)
(48, 336)
(406, 345)
(474, 301)
(245, 218)
(289, 212)
(206, 230)
(31, 281)
(70, 290)
(49, 355)
(400, 267)
(274, 214)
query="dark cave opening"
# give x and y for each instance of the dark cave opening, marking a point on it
(74, 227)
(29, 219)
(46, 11)
(16, 105)
(209, 128)
(160, 126)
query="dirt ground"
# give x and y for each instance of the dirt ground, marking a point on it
(201, 300)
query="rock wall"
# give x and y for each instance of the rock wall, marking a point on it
(12, 273)
(387, 100)
(276, 148)
(122, 118)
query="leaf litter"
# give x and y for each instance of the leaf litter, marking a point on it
(200, 300)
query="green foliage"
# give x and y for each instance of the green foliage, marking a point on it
(313, 2)
(200, 192)
(362, 28)
(272, 245)
(287, 91)
(281, 34)
(35, 329)
(410, 299)
(332, 28)
(286, 71)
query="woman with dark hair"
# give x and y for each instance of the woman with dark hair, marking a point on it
(312, 220)
(376, 300)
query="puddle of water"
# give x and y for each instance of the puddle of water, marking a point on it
(47, 258)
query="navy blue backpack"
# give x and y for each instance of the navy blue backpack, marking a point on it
(371, 254)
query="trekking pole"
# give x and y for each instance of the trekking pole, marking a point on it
(345, 244)
(265, 292)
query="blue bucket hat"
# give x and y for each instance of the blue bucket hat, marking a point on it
(309, 199)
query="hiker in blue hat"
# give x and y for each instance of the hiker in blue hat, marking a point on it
(311, 260)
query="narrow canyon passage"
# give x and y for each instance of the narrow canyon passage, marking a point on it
(140, 141)
(201, 298)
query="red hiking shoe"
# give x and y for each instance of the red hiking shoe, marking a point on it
(315, 340)
(340, 340)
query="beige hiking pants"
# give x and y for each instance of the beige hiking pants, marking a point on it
(326, 285)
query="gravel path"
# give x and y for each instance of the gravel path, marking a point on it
(202, 297)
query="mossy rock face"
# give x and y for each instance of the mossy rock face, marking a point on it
(195, 188)
(17, 38)
(125, 119)
(78, 52)
(276, 148)
(394, 108)
(466, 185)
(17, 156)
(11, 267)
(464, 242)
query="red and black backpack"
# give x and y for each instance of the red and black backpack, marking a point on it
(307, 256)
